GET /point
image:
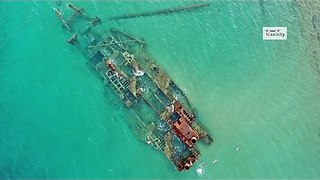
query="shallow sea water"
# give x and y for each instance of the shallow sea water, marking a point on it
(57, 119)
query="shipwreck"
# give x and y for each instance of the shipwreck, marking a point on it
(163, 118)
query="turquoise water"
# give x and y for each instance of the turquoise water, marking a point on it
(57, 120)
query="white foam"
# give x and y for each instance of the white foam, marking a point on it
(200, 171)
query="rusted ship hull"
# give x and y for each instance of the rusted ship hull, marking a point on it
(163, 117)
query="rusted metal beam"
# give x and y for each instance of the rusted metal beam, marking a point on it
(160, 12)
